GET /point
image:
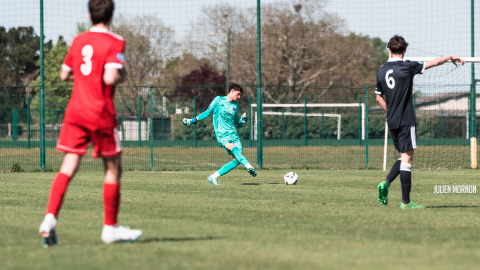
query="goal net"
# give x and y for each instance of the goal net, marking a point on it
(287, 111)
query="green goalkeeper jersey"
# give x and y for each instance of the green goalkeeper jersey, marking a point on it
(225, 116)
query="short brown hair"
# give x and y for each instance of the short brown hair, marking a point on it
(101, 11)
(397, 44)
(236, 87)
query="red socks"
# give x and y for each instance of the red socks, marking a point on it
(111, 200)
(57, 192)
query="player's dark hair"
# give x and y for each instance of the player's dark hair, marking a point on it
(397, 44)
(101, 11)
(236, 87)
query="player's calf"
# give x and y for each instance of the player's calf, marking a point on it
(224, 170)
(238, 155)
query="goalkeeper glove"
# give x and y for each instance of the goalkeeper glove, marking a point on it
(243, 119)
(187, 121)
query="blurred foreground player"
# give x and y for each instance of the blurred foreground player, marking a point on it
(395, 81)
(95, 64)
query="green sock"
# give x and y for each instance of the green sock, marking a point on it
(239, 156)
(228, 167)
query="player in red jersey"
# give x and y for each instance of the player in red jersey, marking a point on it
(95, 64)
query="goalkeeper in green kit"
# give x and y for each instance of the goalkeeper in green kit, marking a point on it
(225, 116)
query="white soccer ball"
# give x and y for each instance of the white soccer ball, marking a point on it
(290, 178)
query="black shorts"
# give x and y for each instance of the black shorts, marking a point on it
(404, 138)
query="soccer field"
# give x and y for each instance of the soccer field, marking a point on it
(330, 220)
(274, 157)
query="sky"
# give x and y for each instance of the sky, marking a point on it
(432, 27)
(435, 26)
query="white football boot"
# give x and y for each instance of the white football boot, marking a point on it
(117, 233)
(47, 230)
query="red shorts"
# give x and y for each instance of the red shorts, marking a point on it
(75, 139)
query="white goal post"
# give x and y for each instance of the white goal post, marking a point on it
(338, 116)
(311, 105)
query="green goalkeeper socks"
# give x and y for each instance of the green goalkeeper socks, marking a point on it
(239, 156)
(228, 167)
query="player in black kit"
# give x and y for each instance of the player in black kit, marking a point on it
(395, 81)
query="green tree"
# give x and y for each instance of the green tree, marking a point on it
(381, 47)
(178, 67)
(82, 27)
(19, 53)
(149, 42)
(57, 92)
(302, 45)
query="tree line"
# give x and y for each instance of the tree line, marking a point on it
(302, 45)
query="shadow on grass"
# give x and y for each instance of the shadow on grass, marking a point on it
(179, 239)
(250, 184)
(453, 206)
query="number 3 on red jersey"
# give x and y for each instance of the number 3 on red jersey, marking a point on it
(86, 67)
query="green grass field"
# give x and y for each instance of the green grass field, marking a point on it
(274, 157)
(330, 220)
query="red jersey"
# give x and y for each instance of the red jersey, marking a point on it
(91, 103)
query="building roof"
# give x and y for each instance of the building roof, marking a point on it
(453, 104)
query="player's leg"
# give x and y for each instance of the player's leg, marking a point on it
(57, 193)
(74, 143)
(224, 170)
(394, 172)
(107, 145)
(112, 232)
(406, 180)
(69, 167)
(385, 184)
(229, 166)
(111, 189)
(408, 144)
(236, 150)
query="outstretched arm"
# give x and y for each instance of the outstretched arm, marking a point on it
(442, 60)
(201, 116)
(207, 112)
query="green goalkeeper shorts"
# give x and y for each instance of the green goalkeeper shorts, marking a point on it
(230, 139)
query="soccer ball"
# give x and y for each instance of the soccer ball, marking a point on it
(291, 178)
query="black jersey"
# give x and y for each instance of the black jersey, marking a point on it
(395, 80)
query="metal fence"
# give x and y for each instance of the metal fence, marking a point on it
(324, 131)
(288, 56)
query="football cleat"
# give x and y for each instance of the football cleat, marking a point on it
(213, 180)
(411, 205)
(111, 234)
(252, 171)
(383, 192)
(47, 231)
